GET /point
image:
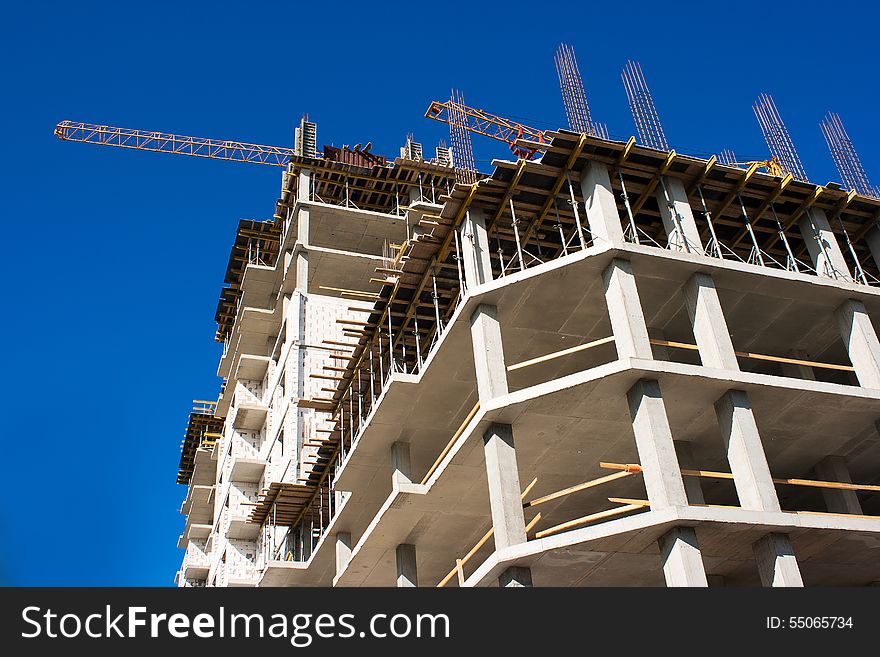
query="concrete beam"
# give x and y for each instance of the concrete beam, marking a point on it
(625, 311)
(515, 576)
(678, 218)
(861, 342)
(474, 240)
(709, 325)
(824, 249)
(833, 468)
(488, 352)
(502, 475)
(401, 468)
(692, 485)
(601, 206)
(745, 452)
(650, 424)
(407, 570)
(777, 564)
(343, 551)
(682, 560)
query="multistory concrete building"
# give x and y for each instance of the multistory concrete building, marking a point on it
(612, 365)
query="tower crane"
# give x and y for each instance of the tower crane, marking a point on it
(771, 166)
(163, 142)
(489, 125)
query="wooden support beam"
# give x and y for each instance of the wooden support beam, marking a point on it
(785, 182)
(506, 197)
(732, 194)
(467, 557)
(576, 489)
(710, 164)
(455, 436)
(601, 515)
(794, 216)
(867, 227)
(627, 149)
(652, 184)
(749, 354)
(535, 224)
(559, 354)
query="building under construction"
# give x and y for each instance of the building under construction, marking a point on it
(604, 363)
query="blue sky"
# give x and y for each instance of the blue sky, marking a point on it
(114, 259)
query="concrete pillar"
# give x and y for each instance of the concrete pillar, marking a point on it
(777, 564)
(678, 218)
(602, 216)
(474, 240)
(515, 576)
(303, 187)
(822, 245)
(625, 311)
(488, 352)
(301, 275)
(709, 325)
(504, 487)
(833, 468)
(861, 342)
(693, 486)
(401, 470)
(407, 571)
(650, 425)
(343, 551)
(748, 462)
(682, 561)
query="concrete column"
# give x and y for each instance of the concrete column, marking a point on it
(692, 485)
(474, 240)
(515, 576)
(488, 352)
(343, 551)
(602, 216)
(504, 487)
(401, 470)
(861, 342)
(650, 425)
(303, 187)
(833, 468)
(822, 245)
(709, 325)
(407, 571)
(625, 311)
(303, 213)
(748, 462)
(777, 564)
(301, 275)
(682, 561)
(678, 218)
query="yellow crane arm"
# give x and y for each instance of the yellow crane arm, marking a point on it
(772, 166)
(483, 123)
(163, 142)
